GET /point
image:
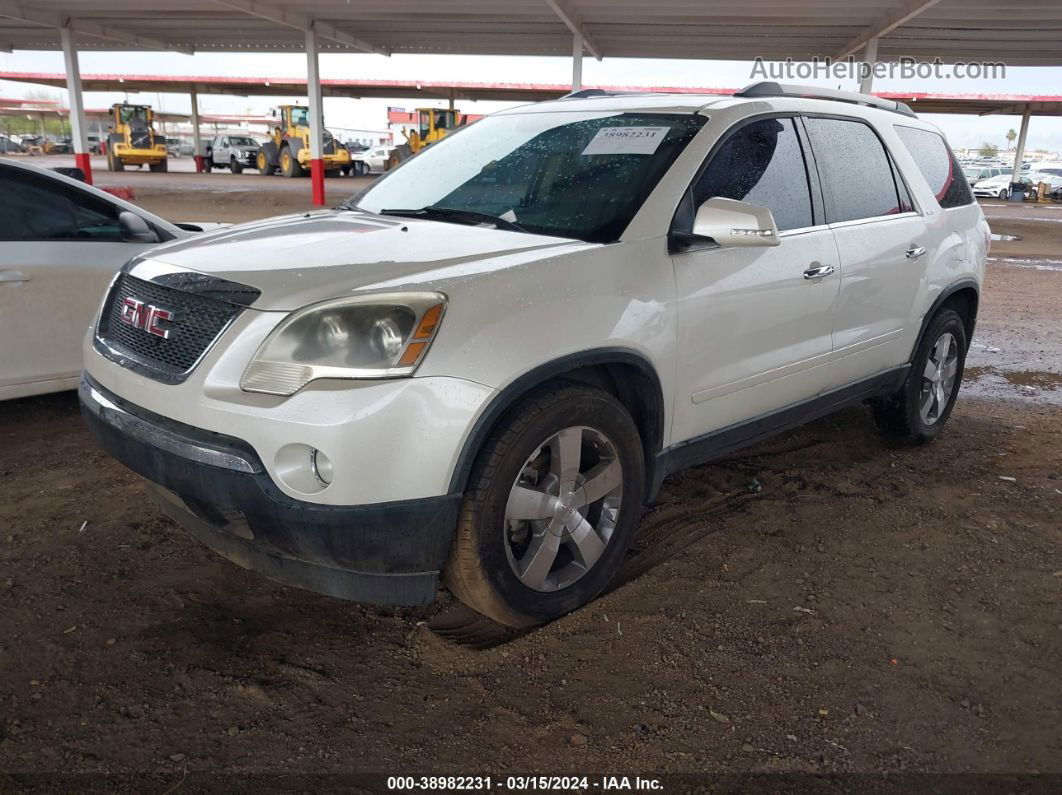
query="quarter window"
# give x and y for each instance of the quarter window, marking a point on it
(857, 177)
(761, 163)
(938, 165)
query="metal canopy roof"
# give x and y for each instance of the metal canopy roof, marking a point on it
(920, 102)
(1018, 32)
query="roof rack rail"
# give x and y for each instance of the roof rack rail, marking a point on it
(589, 93)
(767, 88)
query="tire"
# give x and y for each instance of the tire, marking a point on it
(235, 166)
(289, 164)
(114, 163)
(522, 458)
(1004, 194)
(162, 165)
(906, 414)
(262, 162)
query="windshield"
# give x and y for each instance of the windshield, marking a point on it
(567, 174)
(129, 113)
(300, 117)
(242, 141)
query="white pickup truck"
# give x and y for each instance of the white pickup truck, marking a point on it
(234, 152)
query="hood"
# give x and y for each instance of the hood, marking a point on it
(299, 259)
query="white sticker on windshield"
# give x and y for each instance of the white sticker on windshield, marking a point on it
(626, 141)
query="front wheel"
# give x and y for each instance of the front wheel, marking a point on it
(920, 409)
(235, 166)
(552, 502)
(262, 162)
(1004, 194)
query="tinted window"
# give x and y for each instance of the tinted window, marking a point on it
(761, 163)
(938, 165)
(856, 175)
(38, 208)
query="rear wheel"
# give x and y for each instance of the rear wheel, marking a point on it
(162, 165)
(235, 166)
(920, 409)
(114, 163)
(552, 502)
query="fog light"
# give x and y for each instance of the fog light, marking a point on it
(321, 466)
(303, 468)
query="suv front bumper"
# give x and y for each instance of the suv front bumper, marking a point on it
(216, 487)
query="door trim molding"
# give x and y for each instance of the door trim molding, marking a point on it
(716, 444)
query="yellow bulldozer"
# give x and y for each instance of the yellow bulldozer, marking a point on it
(132, 140)
(288, 148)
(433, 124)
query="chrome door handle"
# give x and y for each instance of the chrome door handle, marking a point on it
(13, 277)
(914, 252)
(818, 272)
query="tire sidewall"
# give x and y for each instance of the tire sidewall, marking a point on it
(607, 417)
(945, 322)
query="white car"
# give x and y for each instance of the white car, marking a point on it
(63, 241)
(371, 161)
(998, 187)
(481, 367)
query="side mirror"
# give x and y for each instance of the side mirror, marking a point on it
(135, 229)
(729, 222)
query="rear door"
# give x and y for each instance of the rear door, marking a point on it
(881, 242)
(59, 249)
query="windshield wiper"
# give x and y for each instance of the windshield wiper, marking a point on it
(458, 215)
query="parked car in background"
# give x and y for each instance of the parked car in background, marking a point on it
(10, 146)
(234, 152)
(61, 242)
(482, 366)
(975, 174)
(999, 186)
(173, 147)
(371, 161)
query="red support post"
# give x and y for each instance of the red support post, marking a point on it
(317, 174)
(83, 160)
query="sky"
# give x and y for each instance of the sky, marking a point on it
(368, 114)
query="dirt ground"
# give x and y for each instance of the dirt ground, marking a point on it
(828, 602)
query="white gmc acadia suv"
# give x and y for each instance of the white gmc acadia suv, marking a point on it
(481, 367)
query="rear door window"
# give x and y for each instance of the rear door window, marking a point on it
(938, 165)
(761, 163)
(854, 168)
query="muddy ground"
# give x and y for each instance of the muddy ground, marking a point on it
(830, 601)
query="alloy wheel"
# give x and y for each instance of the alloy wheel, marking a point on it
(938, 378)
(563, 508)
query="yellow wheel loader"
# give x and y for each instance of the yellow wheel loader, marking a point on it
(133, 141)
(433, 124)
(288, 148)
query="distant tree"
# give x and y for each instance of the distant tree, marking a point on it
(988, 150)
(1011, 135)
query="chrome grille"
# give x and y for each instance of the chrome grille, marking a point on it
(197, 321)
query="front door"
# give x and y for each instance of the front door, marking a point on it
(754, 324)
(61, 248)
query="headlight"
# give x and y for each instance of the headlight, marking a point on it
(385, 335)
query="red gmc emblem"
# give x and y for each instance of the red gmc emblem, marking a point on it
(145, 317)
